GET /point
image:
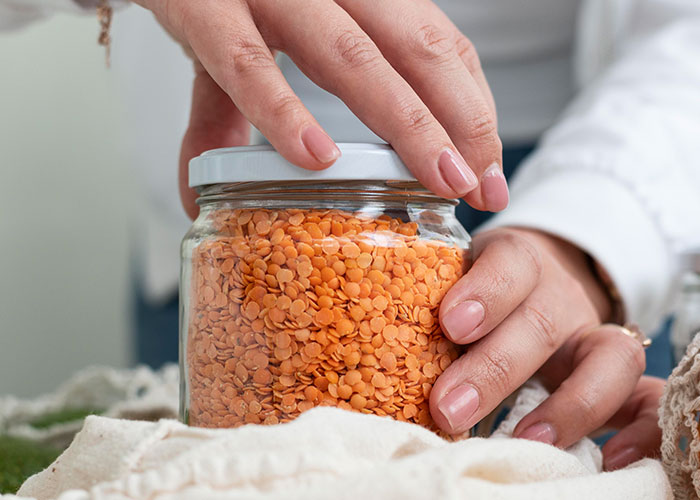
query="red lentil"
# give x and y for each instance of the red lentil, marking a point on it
(293, 309)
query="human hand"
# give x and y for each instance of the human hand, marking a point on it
(403, 68)
(536, 309)
(598, 388)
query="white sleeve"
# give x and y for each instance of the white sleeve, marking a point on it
(15, 14)
(619, 174)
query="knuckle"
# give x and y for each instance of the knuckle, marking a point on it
(516, 244)
(355, 49)
(432, 43)
(497, 370)
(467, 52)
(481, 126)
(584, 405)
(246, 56)
(542, 326)
(632, 356)
(416, 120)
(283, 107)
(499, 280)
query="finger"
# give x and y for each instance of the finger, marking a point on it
(437, 61)
(640, 434)
(338, 56)
(607, 365)
(215, 122)
(230, 48)
(506, 270)
(502, 361)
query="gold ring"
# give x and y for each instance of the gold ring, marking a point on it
(632, 330)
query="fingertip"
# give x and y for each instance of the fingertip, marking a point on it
(621, 458)
(494, 189)
(452, 410)
(460, 321)
(456, 174)
(542, 432)
(320, 146)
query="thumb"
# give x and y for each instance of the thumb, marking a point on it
(215, 122)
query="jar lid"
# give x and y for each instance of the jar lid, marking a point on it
(262, 163)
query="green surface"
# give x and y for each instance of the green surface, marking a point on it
(19, 459)
(63, 416)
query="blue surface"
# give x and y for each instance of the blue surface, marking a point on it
(660, 353)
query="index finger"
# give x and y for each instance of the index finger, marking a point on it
(226, 41)
(491, 369)
(340, 57)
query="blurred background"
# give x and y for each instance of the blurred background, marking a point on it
(66, 198)
(81, 145)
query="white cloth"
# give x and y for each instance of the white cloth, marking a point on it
(331, 453)
(617, 174)
(138, 393)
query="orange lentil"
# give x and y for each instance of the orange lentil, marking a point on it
(364, 260)
(388, 361)
(292, 309)
(345, 327)
(358, 402)
(380, 303)
(324, 316)
(351, 250)
(354, 275)
(352, 377)
(345, 391)
(353, 358)
(297, 307)
(352, 290)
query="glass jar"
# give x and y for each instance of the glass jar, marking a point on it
(302, 288)
(686, 323)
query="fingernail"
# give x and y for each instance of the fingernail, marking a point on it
(456, 173)
(542, 432)
(622, 458)
(320, 145)
(458, 406)
(494, 188)
(461, 321)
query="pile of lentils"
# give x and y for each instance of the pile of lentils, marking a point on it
(292, 309)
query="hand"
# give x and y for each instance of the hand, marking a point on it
(596, 385)
(530, 304)
(403, 68)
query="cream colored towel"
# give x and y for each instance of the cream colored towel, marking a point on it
(330, 453)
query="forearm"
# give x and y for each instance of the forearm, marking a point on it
(618, 174)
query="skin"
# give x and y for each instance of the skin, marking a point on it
(543, 315)
(416, 81)
(408, 74)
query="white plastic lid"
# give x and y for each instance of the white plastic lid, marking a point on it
(262, 163)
